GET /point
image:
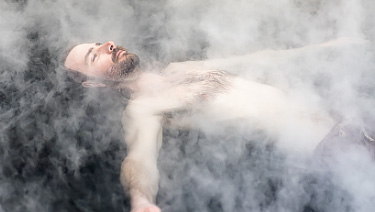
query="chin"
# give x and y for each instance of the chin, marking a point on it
(128, 65)
(133, 60)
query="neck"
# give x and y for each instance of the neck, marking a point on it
(140, 81)
(130, 81)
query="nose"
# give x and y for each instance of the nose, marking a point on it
(107, 47)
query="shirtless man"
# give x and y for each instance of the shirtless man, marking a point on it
(185, 94)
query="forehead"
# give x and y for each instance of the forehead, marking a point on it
(76, 57)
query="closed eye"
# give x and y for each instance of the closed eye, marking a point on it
(94, 57)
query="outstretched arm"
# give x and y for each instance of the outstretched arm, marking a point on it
(139, 172)
(259, 59)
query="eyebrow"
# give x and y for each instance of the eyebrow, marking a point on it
(87, 54)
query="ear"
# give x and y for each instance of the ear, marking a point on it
(93, 84)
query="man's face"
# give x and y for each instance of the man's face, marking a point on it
(105, 61)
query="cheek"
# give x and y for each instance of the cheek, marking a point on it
(104, 66)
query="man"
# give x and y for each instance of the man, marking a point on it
(187, 95)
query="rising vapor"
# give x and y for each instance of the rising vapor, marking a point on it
(61, 145)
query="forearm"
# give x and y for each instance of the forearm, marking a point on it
(139, 179)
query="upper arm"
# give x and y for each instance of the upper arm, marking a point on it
(143, 130)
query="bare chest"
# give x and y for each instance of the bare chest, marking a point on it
(176, 92)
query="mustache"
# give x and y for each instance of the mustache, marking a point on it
(115, 51)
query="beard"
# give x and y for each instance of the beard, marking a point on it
(123, 66)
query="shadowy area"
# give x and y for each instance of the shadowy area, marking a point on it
(61, 145)
(205, 175)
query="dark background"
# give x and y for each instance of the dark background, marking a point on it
(61, 145)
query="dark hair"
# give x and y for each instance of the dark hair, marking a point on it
(76, 76)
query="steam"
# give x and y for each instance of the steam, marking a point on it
(61, 145)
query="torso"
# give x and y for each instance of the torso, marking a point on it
(194, 97)
(181, 91)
